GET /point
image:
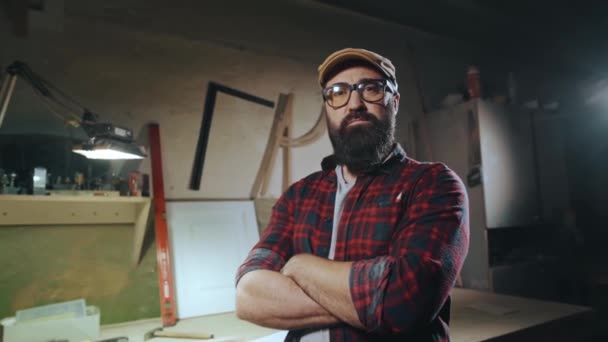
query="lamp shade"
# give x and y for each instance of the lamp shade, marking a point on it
(107, 148)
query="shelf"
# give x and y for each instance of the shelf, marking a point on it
(28, 210)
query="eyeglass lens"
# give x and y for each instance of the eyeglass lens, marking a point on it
(337, 95)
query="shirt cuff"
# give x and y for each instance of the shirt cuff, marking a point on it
(260, 259)
(368, 282)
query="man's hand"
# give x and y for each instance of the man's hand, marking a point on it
(296, 262)
(326, 282)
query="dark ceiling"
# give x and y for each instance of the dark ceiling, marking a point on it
(565, 32)
(482, 20)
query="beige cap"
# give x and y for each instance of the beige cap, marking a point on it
(349, 54)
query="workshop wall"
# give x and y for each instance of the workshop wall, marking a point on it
(143, 64)
(133, 78)
(147, 63)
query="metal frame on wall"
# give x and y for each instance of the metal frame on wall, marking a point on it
(203, 139)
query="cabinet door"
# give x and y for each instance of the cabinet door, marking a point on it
(534, 279)
(453, 139)
(551, 166)
(509, 185)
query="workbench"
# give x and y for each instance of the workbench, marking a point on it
(476, 316)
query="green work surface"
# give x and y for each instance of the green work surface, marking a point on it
(50, 264)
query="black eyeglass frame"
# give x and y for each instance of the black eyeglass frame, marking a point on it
(358, 87)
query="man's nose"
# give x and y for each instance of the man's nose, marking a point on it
(355, 103)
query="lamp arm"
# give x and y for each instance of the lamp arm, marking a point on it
(41, 88)
(6, 92)
(106, 141)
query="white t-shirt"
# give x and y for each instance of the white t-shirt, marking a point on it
(341, 193)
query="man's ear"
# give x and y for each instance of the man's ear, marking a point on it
(395, 100)
(324, 108)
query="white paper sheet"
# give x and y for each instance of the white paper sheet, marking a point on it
(209, 240)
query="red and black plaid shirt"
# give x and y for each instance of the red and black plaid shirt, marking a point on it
(405, 227)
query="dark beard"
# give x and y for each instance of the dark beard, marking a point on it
(362, 147)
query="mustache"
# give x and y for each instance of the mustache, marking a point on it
(365, 116)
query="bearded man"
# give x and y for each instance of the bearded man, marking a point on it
(369, 248)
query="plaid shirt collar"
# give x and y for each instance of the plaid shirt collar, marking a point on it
(396, 155)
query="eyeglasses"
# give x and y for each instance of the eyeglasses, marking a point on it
(371, 90)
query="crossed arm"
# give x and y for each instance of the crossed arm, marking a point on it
(309, 292)
(271, 299)
(392, 293)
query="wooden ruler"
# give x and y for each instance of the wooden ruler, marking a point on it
(163, 256)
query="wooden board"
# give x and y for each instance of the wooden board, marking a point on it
(481, 316)
(476, 316)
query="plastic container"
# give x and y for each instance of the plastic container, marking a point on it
(71, 309)
(72, 329)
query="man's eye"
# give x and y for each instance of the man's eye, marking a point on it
(337, 91)
(371, 88)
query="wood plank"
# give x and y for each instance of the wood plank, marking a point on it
(141, 223)
(263, 173)
(263, 211)
(53, 210)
